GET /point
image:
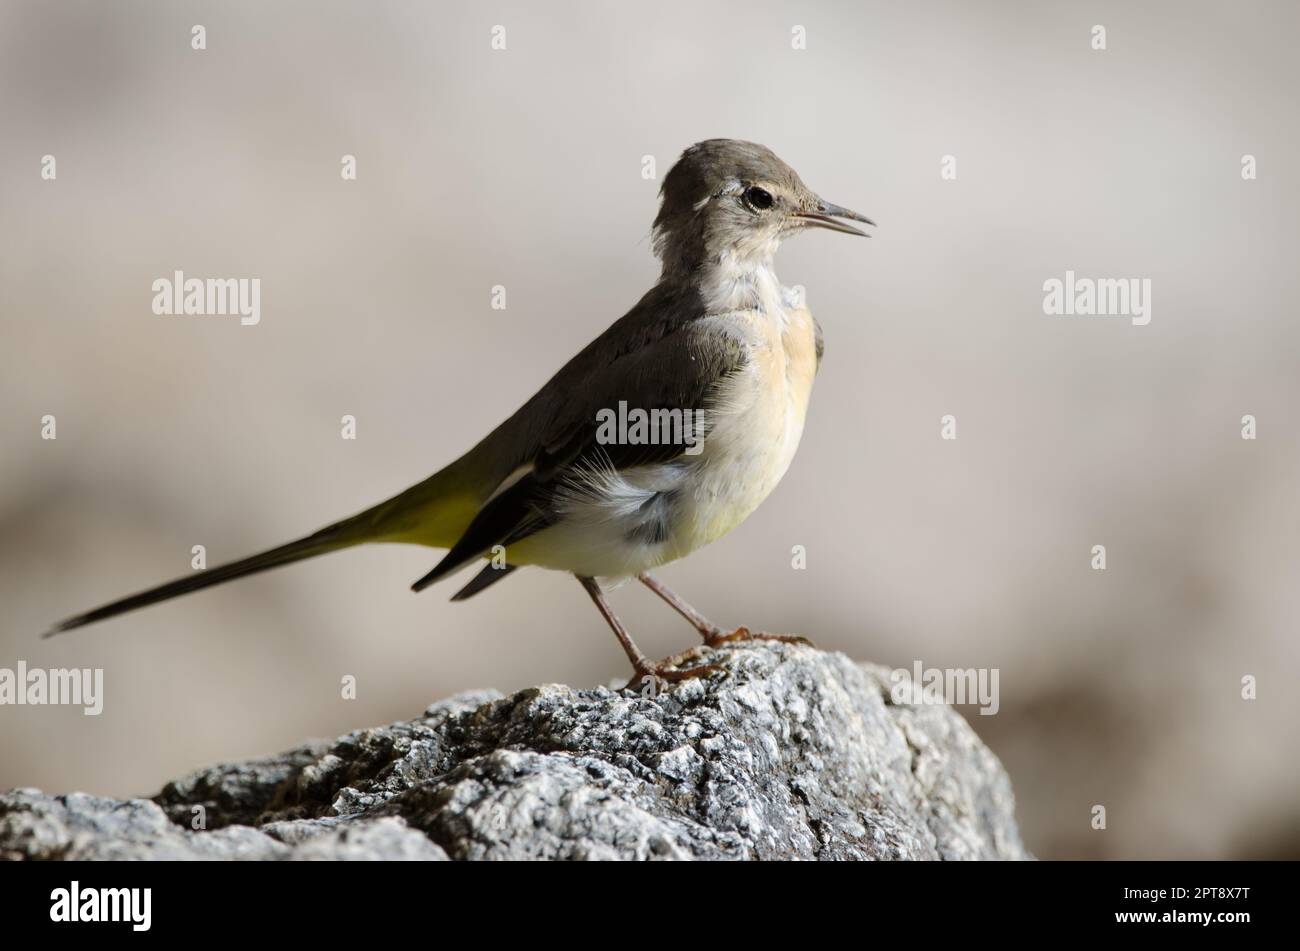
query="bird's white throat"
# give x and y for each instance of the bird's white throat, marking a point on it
(737, 283)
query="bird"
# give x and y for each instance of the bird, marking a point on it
(717, 341)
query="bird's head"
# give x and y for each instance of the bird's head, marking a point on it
(726, 197)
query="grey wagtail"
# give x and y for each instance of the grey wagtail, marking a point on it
(556, 486)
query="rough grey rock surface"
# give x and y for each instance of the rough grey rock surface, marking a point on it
(786, 753)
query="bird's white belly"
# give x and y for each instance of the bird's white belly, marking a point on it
(753, 431)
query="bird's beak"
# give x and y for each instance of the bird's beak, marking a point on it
(825, 214)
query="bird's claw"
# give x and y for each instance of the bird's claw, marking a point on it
(745, 634)
(667, 672)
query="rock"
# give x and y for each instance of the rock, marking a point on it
(786, 753)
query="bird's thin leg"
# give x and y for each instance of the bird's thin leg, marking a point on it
(643, 666)
(712, 634)
(708, 630)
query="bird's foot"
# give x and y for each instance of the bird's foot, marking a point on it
(668, 671)
(745, 634)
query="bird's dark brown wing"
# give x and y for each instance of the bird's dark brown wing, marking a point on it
(665, 360)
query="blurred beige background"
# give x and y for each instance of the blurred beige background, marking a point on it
(523, 168)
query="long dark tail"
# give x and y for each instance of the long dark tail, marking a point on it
(433, 512)
(331, 538)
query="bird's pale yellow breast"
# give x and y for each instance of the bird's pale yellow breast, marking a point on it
(756, 424)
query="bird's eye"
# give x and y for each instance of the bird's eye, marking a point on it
(758, 198)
